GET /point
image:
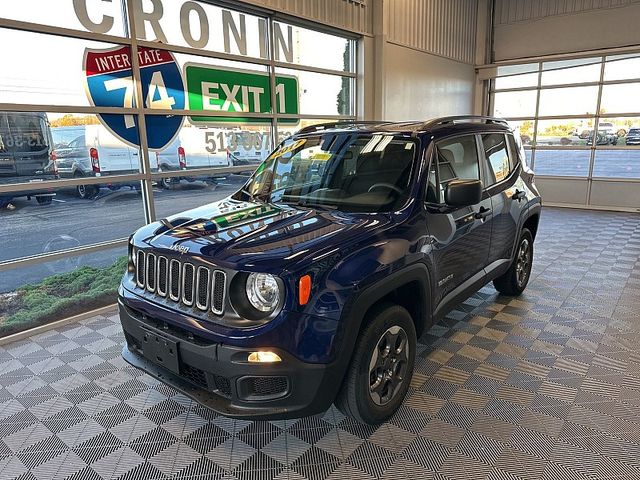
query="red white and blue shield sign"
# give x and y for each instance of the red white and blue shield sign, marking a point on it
(110, 84)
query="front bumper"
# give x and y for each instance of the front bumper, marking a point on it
(218, 376)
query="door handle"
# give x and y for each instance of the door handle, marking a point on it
(519, 195)
(482, 213)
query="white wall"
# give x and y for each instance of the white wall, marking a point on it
(419, 85)
(351, 15)
(427, 70)
(416, 56)
(527, 28)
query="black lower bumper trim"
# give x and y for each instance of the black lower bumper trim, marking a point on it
(219, 377)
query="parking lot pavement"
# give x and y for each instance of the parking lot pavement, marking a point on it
(68, 222)
(620, 163)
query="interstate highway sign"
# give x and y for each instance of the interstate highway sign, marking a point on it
(110, 84)
(230, 90)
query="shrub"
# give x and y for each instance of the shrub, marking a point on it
(61, 296)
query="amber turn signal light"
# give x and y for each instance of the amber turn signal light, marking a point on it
(304, 289)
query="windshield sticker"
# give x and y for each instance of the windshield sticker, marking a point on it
(288, 148)
(321, 156)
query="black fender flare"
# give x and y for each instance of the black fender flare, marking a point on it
(353, 316)
(417, 272)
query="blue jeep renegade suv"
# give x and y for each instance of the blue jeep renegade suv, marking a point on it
(311, 284)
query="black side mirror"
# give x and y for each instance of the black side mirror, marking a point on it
(463, 193)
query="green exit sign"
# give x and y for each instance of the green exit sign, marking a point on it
(229, 90)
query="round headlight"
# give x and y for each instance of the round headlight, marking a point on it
(262, 291)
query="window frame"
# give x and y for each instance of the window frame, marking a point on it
(513, 164)
(606, 58)
(146, 177)
(434, 161)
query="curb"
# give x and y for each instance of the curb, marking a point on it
(59, 323)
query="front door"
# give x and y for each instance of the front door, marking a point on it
(460, 238)
(502, 180)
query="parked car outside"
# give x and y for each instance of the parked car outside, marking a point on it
(311, 284)
(26, 155)
(93, 151)
(604, 138)
(633, 137)
(606, 127)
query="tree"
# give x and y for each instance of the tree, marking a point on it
(71, 120)
(343, 102)
(526, 128)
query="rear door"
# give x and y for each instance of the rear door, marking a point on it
(460, 237)
(116, 158)
(28, 142)
(502, 175)
(205, 148)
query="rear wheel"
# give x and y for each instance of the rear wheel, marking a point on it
(167, 183)
(381, 368)
(85, 192)
(515, 280)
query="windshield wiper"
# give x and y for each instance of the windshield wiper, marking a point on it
(312, 205)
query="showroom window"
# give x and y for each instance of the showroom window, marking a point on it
(577, 118)
(115, 114)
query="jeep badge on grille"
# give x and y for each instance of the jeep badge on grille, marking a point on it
(179, 248)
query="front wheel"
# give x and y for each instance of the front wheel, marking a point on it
(515, 280)
(382, 365)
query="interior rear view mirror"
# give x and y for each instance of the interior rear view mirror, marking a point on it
(463, 193)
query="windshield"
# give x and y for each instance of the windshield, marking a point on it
(344, 171)
(63, 136)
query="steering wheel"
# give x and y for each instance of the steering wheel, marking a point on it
(390, 186)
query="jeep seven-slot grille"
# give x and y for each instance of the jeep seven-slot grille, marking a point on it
(200, 287)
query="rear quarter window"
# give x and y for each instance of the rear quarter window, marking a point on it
(499, 158)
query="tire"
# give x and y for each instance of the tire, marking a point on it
(44, 200)
(515, 280)
(86, 192)
(166, 183)
(359, 397)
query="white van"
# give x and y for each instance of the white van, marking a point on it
(205, 147)
(92, 151)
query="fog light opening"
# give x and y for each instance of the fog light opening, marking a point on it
(264, 357)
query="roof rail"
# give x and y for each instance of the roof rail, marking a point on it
(436, 122)
(324, 126)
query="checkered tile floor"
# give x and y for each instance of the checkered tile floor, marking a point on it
(543, 386)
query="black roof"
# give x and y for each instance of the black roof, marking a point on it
(458, 123)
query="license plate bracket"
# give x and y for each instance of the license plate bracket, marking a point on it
(161, 350)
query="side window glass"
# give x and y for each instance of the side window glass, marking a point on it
(515, 154)
(456, 159)
(495, 151)
(76, 143)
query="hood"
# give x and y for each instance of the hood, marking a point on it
(250, 235)
(64, 150)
